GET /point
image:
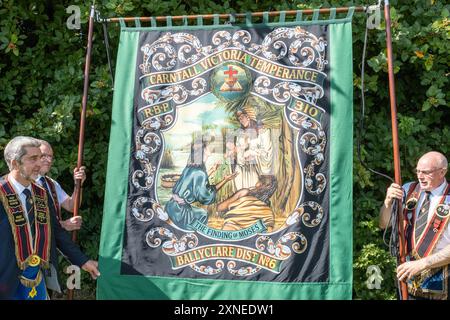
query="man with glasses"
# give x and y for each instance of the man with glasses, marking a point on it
(426, 213)
(59, 198)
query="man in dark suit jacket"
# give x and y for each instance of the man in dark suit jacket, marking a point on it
(28, 235)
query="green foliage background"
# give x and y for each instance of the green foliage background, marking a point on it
(41, 83)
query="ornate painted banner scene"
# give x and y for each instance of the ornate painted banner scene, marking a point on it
(230, 163)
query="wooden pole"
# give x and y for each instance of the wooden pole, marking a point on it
(237, 15)
(398, 179)
(77, 191)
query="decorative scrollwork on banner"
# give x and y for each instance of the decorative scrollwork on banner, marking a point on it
(167, 121)
(153, 236)
(186, 242)
(177, 93)
(169, 55)
(150, 96)
(208, 270)
(244, 37)
(141, 214)
(298, 247)
(296, 118)
(262, 85)
(319, 178)
(314, 145)
(172, 245)
(273, 40)
(282, 42)
(151, 144)
(311, 94)
(315, 52)
(240, 39)
(147, 175)
(158, 52)
(284, 91)
(221, 39)
(279, 249)
(315, 45)
(294, 217)
(147, 143)
(242, 271)
(306, 217)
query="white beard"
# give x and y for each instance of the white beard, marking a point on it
(25, 176)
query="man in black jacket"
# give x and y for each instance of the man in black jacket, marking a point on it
(29, 232)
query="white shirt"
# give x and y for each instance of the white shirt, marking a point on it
(435, 198)
(60, 193)
(18, 188)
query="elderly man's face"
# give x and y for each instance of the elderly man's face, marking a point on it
(30, 164)
(429, 173)
(46, 159)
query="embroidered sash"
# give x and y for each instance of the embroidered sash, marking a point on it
(433, 230)
(431, 283)
(25, 248)
(408, 213)
(54, 195)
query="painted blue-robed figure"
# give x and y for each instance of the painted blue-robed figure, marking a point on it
(193, 186)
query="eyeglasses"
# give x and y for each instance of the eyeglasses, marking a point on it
(49, 157)
(427, 172)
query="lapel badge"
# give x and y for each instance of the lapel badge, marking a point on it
(443, 210)
(411, 204)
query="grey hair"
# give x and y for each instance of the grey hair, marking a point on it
(43, 142)
(15, 149)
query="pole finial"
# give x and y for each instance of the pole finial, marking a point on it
(92, 13)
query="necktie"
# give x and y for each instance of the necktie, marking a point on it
(422, 218)
(44, 184)
(30, 209)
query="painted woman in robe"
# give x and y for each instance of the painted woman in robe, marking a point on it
(193, 186)
(254, 154)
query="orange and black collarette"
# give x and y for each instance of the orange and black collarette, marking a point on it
(409, 213)
(25, 247)
(434, 228)
(54, 195)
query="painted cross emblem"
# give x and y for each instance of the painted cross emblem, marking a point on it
(231, 81)
(231, 72)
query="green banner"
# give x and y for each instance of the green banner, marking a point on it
(230, 163)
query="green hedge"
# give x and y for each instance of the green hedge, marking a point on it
(41, 83)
